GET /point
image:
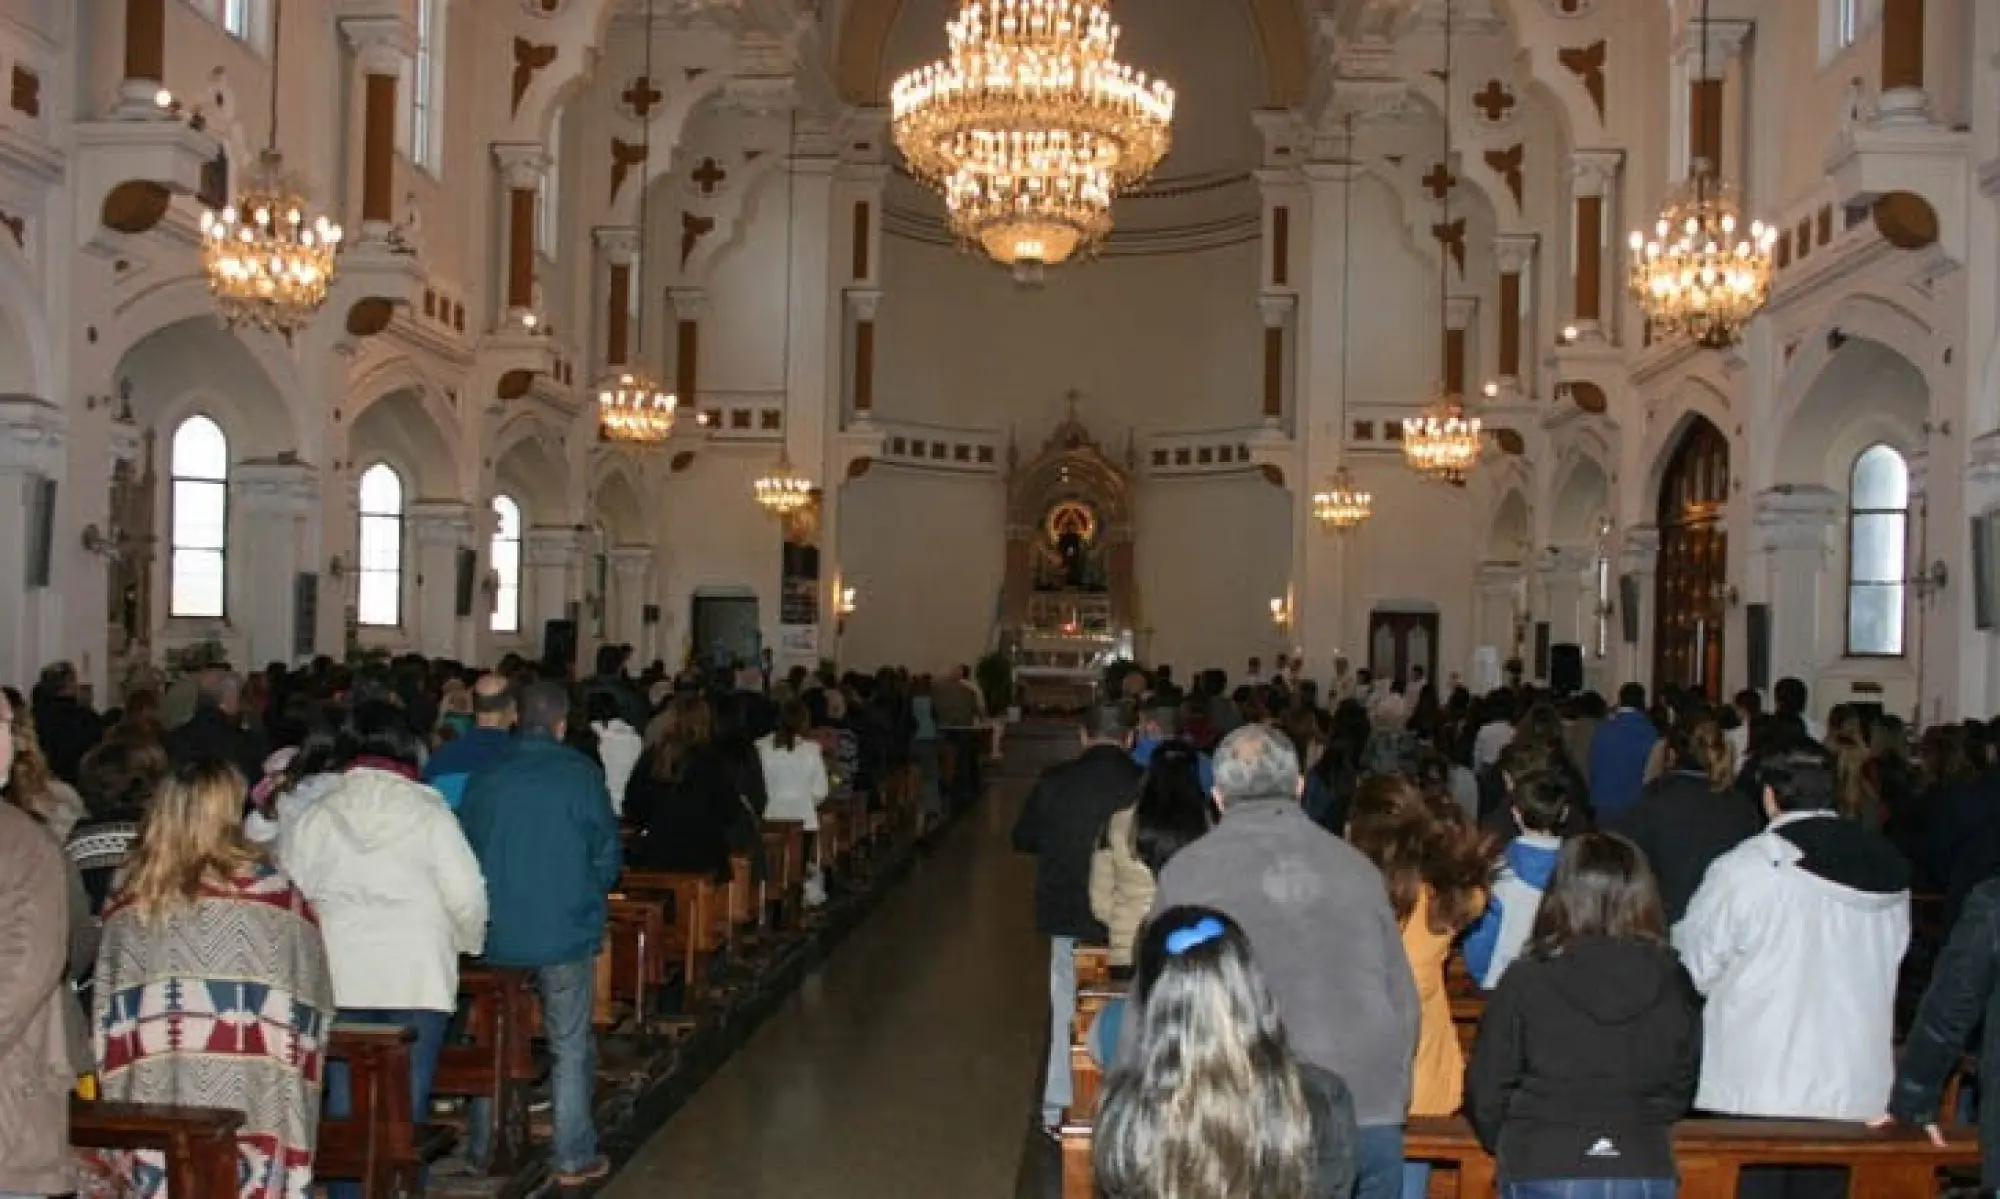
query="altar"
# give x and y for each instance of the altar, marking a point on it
(1069, 600)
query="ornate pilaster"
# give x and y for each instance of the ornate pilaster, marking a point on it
(1790, 529)
(631, 590)
(381, 47)
(1513, 254)
(617, 250)
(689, 305)
(32, 439)
(861, 304)
(521, 166)
(274, 512)
(1592, 174)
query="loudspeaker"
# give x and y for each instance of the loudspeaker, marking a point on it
(467, 582)
(649, 614)
(1541, 649)
(305, 614)
(1628, 608)
(559, 645)
(1566, 668)
(1757, 640)
(1985, 571)
(39, 536)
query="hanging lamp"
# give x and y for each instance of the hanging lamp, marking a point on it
(268, 259)
(783, 490)
(1342, 505)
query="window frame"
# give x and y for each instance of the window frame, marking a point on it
(396, 522)
(247, 21)
(505, 586)
(548, 195)
(1844, 23)
(420, 135)
(175, 481)
(1901, 584)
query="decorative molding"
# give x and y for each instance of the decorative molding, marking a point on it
(529, 58)
(1512, 252)
(1495, 104)
(1591, 172)
(1508, 164)
(1725, 40)
(693, 229)
(624, 156)
(631, 561)
(522, 164)
(1587, 64)
(31, 435)
(618, 245)
(554, 547)
(1795, 517)
(275, 488)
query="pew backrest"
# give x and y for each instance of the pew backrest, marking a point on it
(199, 1143)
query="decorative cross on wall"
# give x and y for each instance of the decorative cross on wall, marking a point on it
(1438, 181)
(641, 96)
(1494, 100)
(708, 176)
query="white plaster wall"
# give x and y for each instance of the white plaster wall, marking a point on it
(716, 537)
(1423, 543)
(925, 554)
(1211, 553)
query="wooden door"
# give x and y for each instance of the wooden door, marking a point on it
(1693, 566)
(1400, 641)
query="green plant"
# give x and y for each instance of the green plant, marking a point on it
(995, 675)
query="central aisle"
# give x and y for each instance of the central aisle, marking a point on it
(907, 1065)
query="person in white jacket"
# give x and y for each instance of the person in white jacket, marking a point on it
(794, 768)
(618, 746)
(1795, 937)
(398, 891)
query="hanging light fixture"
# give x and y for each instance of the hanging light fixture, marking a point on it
(1444, 442)
(1342, 505)
(268, 259)
(1705, 271)
(633, 408)
(782, 490)
(1030, 125)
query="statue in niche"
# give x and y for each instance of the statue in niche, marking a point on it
(1070, 551)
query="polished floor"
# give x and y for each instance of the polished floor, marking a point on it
(905, 1068)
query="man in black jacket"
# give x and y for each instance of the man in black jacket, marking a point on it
(216, 728)
(1060, 824)
(1962, 996)
(64, 725)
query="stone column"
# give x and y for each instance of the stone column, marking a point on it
(1591, 174)
(552, 567)
(381, 46)
(1641, 560)
(1564, 573)
(617, 250)
(1790, 529)
(440, 529)
(861, 304)
(631, 591)
(145, 59)
(522, 165)
(689, 304)
(272, 507)
(1903, 99)
(1499, 589)
(31, 451)
(1513, 254)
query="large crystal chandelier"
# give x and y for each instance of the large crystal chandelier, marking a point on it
(632, 408)
(1705, 271)
(269, 260)
(1444, 442)
(1342, 505)
(1030, 125)
(783, 490)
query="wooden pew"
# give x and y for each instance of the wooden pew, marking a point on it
(376, 1144)
(742, 899)
(784, 870)
(199, 1143)
(1086, 1083)
(634, 964)
(692, 901)
(496, 1060)
(1093, 967)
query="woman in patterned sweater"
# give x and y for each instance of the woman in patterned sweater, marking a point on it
(212, 985)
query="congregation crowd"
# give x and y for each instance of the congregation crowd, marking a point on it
(1671, 909)
(197, 885)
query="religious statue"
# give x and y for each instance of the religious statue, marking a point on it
(1069, 553)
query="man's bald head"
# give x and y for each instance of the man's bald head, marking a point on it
(493, 702)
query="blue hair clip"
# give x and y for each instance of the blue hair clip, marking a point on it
(1202, 931)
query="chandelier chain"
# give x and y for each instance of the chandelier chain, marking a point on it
(1342, 505)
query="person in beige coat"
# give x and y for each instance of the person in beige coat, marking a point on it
(35, 1068)
(1171, 811)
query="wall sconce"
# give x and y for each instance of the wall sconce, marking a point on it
(108, 546)
(1727, 595)
(1930, 582)
(843, 607)
(336, 567)
(1281, 613)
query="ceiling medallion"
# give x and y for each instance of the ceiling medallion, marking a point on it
(1030, 126)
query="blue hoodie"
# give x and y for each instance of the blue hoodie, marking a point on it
(1496, 940)
(457, 760)
(1618, 754)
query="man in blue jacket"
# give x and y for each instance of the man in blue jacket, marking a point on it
(539, 820)
(1618, 754)
(491, 736)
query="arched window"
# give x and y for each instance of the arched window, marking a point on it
(379, 596)
(507, 564)
(1878, 525)
(199, 533)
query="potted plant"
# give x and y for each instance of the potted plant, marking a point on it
(995, 675)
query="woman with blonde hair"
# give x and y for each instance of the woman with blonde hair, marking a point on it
(1692, 814)
(212, 985)
(1437, 870)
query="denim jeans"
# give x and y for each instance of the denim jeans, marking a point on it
(1416, 1180)
(430, 1029)
(567, 992)
(1591, 1188)
(1378, 1173)
(1056, 1092)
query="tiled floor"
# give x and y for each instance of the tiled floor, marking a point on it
(907, 1067)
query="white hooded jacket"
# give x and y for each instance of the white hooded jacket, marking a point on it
(1797, 954)
(619, 748)
(398, 891)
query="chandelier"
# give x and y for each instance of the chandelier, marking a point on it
(1706, 270)
(634, 409)
(784, 490)
(269, 261)
(1342, 505)
(1030, 125)
(1443, 443)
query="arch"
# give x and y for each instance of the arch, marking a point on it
(529, 470)
(381, 501)
(197, 519)
(1284, 42)
(1510, 538)
(761, 180)
(195, 365)
(618, 506)
(668, 126)
(1582, 498)
(181, 307)
(27, 366)
(1862, 316)
(1699, 403)
(397, 427)
(1865, 392)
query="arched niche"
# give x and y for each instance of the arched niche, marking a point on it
(1864, 394)
(1581, 500)
(397, 429)
(537, 478)
(196, 366)
(619, 508)
(1511, 537)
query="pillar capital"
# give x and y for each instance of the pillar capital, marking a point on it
(862, 301)
(522, 164)
(1499, 578)
(1642, 550)
(1563, 561)
(1724, 41)
(618, 245)
(381, 44)
(441, 522)
(274, 488)
(689, 303)
(631, 561)
(558, 546)
(1512, 252)
(1459, 310)
(31, 435)
(1276, 307)
(1591, 172)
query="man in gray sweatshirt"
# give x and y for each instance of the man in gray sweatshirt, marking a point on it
(1318, 917)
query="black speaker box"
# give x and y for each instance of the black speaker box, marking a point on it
(467, 581)
(559, 645)
(1757, 640)
(1566, 668)
(1628, 608)
(1541, 649)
